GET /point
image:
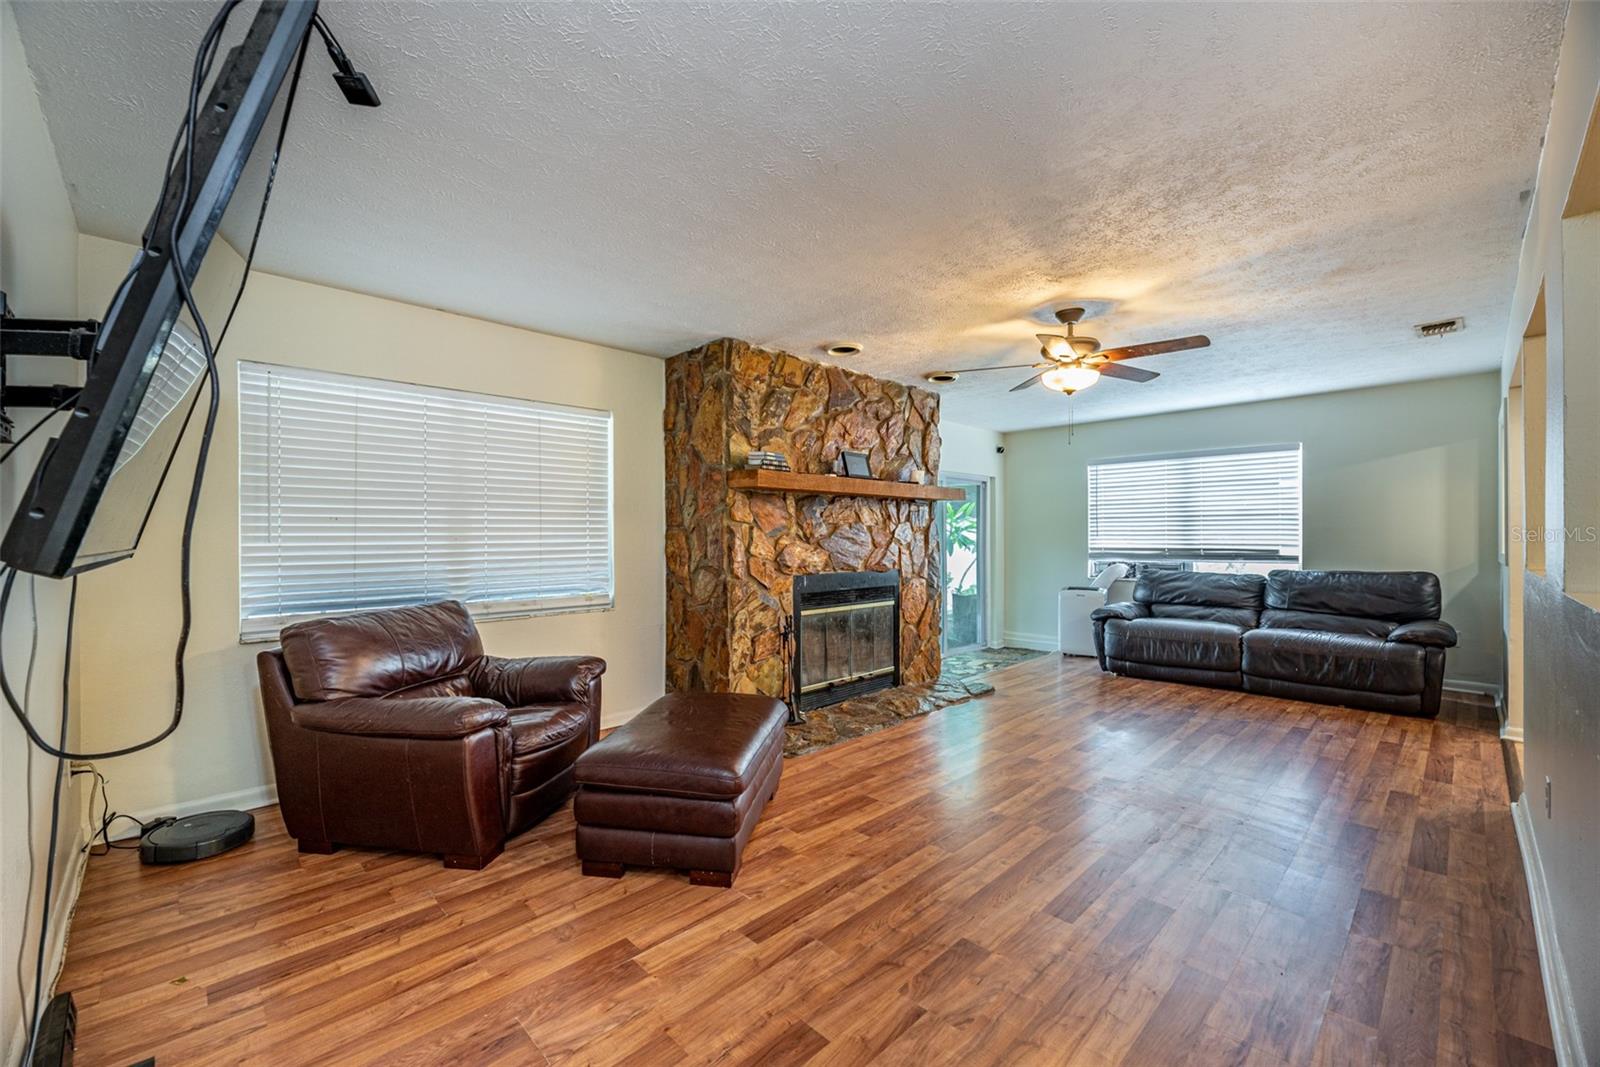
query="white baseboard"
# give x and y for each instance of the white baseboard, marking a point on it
(1511, 733)
(1466, 685)
(1557, 987)
(1037, 642)
(239, 800)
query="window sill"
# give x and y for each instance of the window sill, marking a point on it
(261, 634)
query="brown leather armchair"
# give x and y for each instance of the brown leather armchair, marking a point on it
(392, 729)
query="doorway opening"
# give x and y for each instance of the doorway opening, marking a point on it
(964, 563)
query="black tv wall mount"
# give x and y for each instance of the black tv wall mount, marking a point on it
(62, 338)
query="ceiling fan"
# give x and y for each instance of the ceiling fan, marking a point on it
(1073, 362)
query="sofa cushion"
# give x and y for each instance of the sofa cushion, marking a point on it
(1247, 618)
(1274, 619)
(1211, 646)
(381, 653)
(1201, 589)
(1396, 596)
(1335, 660)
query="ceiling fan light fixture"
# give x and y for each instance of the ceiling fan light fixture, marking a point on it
(1069, 380)
(941, 377)
(1057, 348)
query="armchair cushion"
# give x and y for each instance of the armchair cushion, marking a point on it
(1126, 610)
(519, 683)
(421, 718)
(376, 653)
(1425, 632)
(536, 729)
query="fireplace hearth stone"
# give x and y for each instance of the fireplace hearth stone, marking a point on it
(830, 725)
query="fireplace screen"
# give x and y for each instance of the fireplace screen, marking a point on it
(846, 636)
(846, 643)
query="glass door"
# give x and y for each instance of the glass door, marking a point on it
(963, 534)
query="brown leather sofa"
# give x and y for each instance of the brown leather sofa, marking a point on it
(1365, 639)
(392, 729)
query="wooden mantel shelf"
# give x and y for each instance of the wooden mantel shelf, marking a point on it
(760, 481)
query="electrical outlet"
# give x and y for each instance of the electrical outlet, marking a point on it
(1547, 796)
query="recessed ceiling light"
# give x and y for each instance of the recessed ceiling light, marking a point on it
(942, 377)
(843, 349)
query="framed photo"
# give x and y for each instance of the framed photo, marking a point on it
(855, 465)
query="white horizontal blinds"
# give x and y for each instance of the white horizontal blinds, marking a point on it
(1204, 506)
(356, 493)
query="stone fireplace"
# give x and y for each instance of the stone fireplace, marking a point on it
(736, 552)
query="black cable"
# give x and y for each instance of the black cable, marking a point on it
(335, 51)
(109, 818)
(202, 66)
(272, 177)
(55, 828)
(211, 385)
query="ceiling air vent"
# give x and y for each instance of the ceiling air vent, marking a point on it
(1440, 328)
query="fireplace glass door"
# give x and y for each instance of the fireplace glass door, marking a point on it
(846, 643)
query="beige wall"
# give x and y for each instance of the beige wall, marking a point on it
(38, 253)
(129, 612)
(1560, 623)
(1395, 478)
(971, 450)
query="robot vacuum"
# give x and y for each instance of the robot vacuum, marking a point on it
(197, 837)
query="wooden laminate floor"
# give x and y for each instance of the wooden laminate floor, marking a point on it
(1077, 870)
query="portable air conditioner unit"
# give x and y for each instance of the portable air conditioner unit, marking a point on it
(1075, 630)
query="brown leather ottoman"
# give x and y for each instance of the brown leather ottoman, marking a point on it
(682, 785)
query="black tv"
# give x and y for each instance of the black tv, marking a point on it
(93, 489)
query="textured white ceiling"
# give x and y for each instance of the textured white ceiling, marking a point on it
(1303, 182)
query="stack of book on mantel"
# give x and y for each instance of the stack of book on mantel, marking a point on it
(766, 461)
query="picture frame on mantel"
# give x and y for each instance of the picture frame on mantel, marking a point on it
(855, 464)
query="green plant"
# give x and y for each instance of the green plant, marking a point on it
(961, 533)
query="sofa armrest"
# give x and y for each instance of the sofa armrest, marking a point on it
(518, 683)
(422, 718)
(1425, 632)
(1126, 610)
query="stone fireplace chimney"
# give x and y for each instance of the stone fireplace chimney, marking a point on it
(732, 554)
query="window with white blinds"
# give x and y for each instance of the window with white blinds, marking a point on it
(1206, 507)
(356, 493)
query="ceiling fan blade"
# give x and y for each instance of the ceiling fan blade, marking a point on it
(1127, 374)
(1156, 348)
(1024, 385)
